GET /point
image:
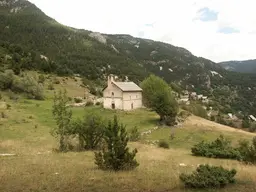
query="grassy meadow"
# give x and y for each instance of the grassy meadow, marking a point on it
(25, 132)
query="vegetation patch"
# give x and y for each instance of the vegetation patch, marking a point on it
(157, 96)
(25, 83)
(116, 156)
(163, 144)
(220, 148)
(90, 131)
(207, 176)
(248, 151)
(134, 134)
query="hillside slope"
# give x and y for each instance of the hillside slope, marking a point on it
(25, 133)
(247, 66)
(213, 126)
(31, 40)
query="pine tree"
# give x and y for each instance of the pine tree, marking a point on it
(116, 156)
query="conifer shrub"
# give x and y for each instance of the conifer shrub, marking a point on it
(116, 155)
(207, 176)
(134, 134)
(220, 148)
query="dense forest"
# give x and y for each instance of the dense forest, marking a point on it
(30, 40)
(247, 66)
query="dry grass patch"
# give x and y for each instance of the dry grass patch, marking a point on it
(73, 85)
(158, 171)
(210, 125)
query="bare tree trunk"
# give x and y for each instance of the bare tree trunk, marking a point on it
(81, 142)
(62, 143)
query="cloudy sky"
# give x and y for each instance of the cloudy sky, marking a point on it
(219, 30)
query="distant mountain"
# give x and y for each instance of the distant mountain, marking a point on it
(247, 66)
(30, 40)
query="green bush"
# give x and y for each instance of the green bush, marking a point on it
(207, 176)
(89, 103)
(90, 131)
(158, 96)
(90, 85)
(134, 134)
(41, 79)
(92, 90)
(50, 86)
(28, 84)
(6, 79)
(184, 115)
(163, 144)
(248, 151)
(246, 123)
(78, 100)
(196, 109)
(220, 148)
(62, 115)
(13, 96)
(98, 103)
(252, 127)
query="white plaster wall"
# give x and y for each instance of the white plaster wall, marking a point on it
(116, 98)
(132, 97)
(112, 88)
(117, 101)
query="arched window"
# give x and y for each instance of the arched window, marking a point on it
(113, 94)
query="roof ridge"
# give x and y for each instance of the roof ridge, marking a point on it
(127, 86)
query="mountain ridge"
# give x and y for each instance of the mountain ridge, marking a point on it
(243, 66)
(32, 36)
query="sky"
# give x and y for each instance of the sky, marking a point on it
(219, 30)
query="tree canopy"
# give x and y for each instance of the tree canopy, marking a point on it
(157, 95)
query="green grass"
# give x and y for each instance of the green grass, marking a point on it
(26, 133)
(142, 118)
(187, 136)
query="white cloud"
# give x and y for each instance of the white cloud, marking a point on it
(172, 21)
